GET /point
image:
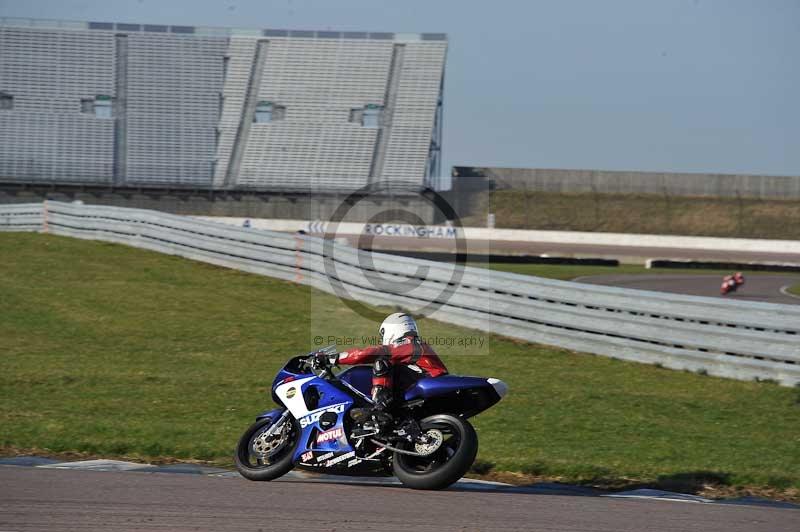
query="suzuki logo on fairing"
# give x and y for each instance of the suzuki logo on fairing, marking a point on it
(313, 417)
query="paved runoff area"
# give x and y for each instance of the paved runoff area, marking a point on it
(42, 494)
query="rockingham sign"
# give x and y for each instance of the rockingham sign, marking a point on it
(383, 229)
(418, 231)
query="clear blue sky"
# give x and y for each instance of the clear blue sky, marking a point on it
(683, 85)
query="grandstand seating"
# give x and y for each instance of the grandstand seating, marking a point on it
(45, 136)
(153, 105)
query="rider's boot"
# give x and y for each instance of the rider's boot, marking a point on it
(372, 420)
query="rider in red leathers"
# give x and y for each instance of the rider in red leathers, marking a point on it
(400, 346)
(730, 283)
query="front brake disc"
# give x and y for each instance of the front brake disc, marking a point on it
(266, 444)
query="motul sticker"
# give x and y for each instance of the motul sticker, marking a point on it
(333, 434)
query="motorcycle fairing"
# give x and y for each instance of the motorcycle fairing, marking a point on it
(322, 429)
(432, 386)
(359, 377)
(329, 459)
(467, 396)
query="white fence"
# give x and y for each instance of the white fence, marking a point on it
(740, 340)
(665, 242)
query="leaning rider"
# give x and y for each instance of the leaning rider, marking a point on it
(400, 346)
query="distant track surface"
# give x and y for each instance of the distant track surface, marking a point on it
(59, 500)
(503, 247)
(766, 288)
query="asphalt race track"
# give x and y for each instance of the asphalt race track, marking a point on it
(756, 288)
(59, 500)
(631, 253)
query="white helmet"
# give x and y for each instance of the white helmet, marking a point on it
(395, 326)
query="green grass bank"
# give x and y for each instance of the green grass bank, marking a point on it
(113, 351)
(646, 214)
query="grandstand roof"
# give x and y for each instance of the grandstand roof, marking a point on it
(217, 31)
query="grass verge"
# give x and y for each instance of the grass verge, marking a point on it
(631, 213)
(113, 351)
(794, 289)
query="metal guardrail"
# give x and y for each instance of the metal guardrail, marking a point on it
(734, 339)
(21, 217)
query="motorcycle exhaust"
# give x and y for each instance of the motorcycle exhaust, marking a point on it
(395, 449)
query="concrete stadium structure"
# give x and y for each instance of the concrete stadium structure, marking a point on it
(132, 105)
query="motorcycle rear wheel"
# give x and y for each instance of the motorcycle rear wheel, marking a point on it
(267, 466)
(444, 466)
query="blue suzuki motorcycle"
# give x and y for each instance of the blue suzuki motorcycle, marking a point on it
(429, 444)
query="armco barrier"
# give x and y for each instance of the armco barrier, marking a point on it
(741, 340)
(21, 217)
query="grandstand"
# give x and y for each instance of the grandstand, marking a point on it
(138, 105)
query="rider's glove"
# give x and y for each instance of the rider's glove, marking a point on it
(324, 360)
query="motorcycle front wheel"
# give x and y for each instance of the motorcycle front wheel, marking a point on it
(456, 446)
(263, 456)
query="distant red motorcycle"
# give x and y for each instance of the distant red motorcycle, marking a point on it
(731, 283)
